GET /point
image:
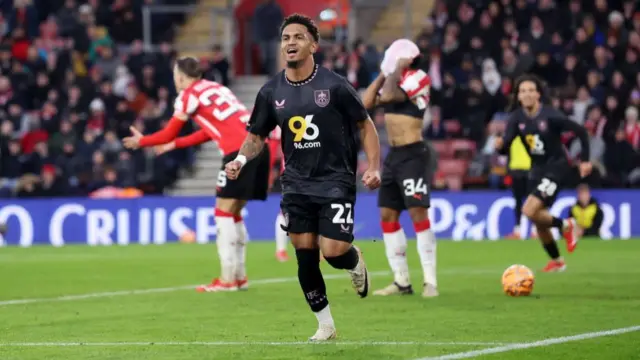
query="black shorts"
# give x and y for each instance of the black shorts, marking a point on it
(251, 184)
(546, 182)
(406, 175)
(327, 217)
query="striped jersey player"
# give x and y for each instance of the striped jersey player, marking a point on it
(223, 119)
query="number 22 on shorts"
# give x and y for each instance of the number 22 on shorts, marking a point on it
(344, 213)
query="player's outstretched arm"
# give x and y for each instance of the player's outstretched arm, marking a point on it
(194, 139)
(371, 146)
(167, 134)
(251, 147)
(391, 91)
(370, 96)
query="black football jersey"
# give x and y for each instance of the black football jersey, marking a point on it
(320, 135)
(541, 135)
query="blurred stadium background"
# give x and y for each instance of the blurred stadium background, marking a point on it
(76, 74)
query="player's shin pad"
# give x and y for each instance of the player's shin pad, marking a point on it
(395, 243)
(226, 242)
(241, 249)
(310, 278)
(426, 243)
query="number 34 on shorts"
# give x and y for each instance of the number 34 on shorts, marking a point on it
(412, 187)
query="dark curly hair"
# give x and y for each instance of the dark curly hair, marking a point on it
(514, 103)
(302, 20)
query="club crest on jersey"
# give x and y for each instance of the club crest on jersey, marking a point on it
(522, 126)
(542, 125)
(322, 97)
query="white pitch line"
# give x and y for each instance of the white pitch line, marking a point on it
(187, 287)
(161, 290)
(252, 343)
(540, 343)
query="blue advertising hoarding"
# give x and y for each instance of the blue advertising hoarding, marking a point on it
(472, 215)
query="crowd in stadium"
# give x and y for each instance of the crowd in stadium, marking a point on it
(74, 77)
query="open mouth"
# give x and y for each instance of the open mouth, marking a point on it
(292, 51)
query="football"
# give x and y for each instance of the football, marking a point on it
(518, 280)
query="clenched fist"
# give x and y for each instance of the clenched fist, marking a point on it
(371, 179)
(233, 169)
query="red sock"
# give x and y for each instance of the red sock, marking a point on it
(390, 227)
(222, 213)
(422, 225)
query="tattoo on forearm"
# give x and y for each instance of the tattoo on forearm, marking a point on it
(252, 146)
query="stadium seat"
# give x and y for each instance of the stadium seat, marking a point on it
(443, 148)
(452, 127)
(453, 167)
(463, 149)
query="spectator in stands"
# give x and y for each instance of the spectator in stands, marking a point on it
(435, 130)
(219, 67)
(24, 15)
(620, 159)
(82, 65)
(10, 162)
(266, 33)
(632, 127)
(66, 92)
(51, 185)
(587, 212)
(585, 52)
(27, 186)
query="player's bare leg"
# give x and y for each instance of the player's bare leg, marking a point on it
(281, 239)
(535, 210)
(426, 241)
(312, 283)
(227, 240)
(395, 243)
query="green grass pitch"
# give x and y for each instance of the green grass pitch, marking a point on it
(54, 305)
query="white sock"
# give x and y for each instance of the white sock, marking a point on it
(427, 251)
(395, 243)
(241, 249)
(324, 316)
(281, 235)
(226, 242)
